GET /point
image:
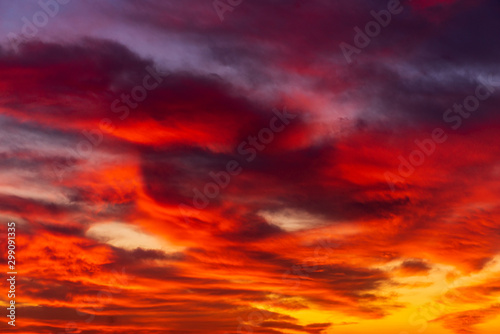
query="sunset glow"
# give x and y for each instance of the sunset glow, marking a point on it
(237, 166)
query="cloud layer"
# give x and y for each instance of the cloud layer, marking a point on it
(172, 173)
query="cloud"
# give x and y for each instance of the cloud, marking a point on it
(414, 268)
(309, 227)
(464, 322)
(127, 236)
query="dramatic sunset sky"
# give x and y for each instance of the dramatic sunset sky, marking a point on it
(257, 166)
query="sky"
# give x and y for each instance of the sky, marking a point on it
(263, 166)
